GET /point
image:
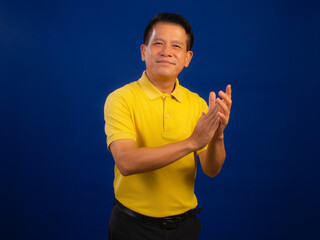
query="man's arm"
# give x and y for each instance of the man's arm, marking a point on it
(213, 158)
(132, 160)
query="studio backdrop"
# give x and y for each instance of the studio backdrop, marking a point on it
(60, 59)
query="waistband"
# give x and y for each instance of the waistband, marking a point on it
(165, 222)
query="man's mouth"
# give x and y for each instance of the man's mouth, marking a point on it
(165, 62)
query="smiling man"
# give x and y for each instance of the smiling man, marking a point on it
(155, 128)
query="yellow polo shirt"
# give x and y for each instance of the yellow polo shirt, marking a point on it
(139, 111)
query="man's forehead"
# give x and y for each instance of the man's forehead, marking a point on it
(167, 28)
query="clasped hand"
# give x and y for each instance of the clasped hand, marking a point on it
(212, 124)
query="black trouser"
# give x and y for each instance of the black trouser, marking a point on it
(125, 227)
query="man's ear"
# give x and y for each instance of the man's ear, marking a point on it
(188, 58)
(143, 51)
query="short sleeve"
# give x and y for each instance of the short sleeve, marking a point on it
(118, 119)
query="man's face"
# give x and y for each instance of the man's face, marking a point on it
(166, 53)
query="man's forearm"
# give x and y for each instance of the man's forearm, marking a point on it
(139, 160)
(213, 158)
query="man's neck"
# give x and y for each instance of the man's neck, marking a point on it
(165, 85)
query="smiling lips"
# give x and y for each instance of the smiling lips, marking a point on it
(165, 62)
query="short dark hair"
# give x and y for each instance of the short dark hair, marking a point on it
(173, 18)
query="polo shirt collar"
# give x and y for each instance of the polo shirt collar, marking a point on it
(152, 92)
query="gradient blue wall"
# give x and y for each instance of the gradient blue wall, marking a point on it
(60, 59)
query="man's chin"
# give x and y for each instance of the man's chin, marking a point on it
(165, 74)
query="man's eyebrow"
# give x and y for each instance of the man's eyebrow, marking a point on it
(178, 42)
(158, 39)
(174, 41)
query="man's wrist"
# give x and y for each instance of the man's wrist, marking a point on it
(189, 144)
(218, 137)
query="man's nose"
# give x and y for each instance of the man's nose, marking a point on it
(166, 50)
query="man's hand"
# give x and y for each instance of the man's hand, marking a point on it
(211, 125)
(224, 114)
(207, 125)
(213, 158)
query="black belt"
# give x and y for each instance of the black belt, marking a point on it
(166, 222)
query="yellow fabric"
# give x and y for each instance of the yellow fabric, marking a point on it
(139, 111)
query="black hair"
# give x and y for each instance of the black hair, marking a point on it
(173, 18)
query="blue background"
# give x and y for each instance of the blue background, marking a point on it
(60, 59)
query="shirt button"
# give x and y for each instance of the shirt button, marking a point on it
(168, 115)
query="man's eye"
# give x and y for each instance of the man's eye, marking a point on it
(176, 46)
(157, 43)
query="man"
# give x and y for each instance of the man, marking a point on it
(155, 128)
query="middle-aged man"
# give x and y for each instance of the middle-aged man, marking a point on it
(155, 127)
